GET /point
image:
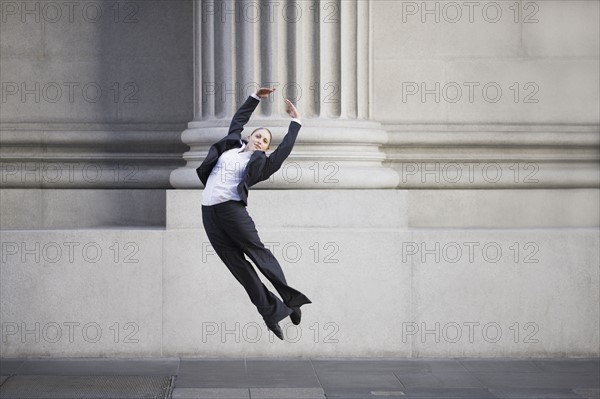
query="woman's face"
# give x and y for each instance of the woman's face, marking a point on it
(259, 141)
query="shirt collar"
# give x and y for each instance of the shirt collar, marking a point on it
(243, 147)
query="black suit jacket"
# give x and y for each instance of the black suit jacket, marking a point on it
(260, 166)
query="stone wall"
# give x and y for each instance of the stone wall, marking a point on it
(488, 94)
(484, 132)
(94, 94)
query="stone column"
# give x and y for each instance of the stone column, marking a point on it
(315, 53)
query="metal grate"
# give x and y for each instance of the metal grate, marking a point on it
(86, 387)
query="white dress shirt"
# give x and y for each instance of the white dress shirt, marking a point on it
(224, 178)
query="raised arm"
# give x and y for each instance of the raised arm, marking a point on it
(242, 116)
(275, 160)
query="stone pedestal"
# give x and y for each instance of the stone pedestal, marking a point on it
(408, 273)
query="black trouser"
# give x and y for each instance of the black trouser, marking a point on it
(232, 233)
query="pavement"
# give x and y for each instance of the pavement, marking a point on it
(299, 378)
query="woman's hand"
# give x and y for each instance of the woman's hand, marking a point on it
(264, 92)
(291, 110)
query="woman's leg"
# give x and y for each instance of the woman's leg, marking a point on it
(268, 305)
(240, 227)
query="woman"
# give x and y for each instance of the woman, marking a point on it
(231, 167)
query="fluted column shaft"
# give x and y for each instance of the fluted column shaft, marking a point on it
(315, 53)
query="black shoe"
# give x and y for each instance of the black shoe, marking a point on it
(276, 330)
(296, 315)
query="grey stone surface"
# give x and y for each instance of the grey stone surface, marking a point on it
(559, 101)
(18, 40)
(160, 100)
(580, 39)
(589, 366)
(211, 374)
(373, 365)
(250, 373)
(365, 381)
(287, 393)
(86, 366)
(559, 53)
(324, 330)
(64, 89)
(66, 209)
(67, 387)
(388, 394)
(100, 289)
(84, 50)
(588, 393)
(535, 393)
(538, 380)
(359, 378)
(46, 209)
(283, 374)
(3, 378)
(210, 393)
(20, 209)
(90, 67)
(504, 208)
(388, 93)
(10, 366)
(354, 395)
(522, 268)
(445, 281)
(507, 366)
(356, 156)
(528, 51)
(439, 380)
(521, 157)
(184, 210)
(303, 170)
(449, 393)
(464, 37)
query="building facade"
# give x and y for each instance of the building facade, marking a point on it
(441, 199)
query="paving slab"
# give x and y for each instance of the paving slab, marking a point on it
(535, 393)
(570, 366)
(257, 378)
(83, 387)
(388, 394)
(247, 374)
(588, 393)
(210, 393)
(211, 373)
(349, 394)
(439, 380)
(432, 366)
(494, 366)
(538, 380)
(254, 393)
(10, 366)
(281, 374)
(360, 381)
(450, 393)
(287, 393)
(400, 366)
(366, 366)
(93, 366)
